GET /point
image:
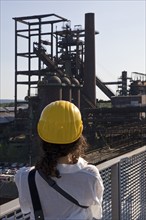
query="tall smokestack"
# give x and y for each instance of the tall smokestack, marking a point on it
(89, 87)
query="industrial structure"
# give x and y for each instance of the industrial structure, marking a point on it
(56, 62)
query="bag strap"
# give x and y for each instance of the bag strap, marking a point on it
(54, 185)
(38, 213)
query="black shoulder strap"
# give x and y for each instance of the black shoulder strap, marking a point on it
(34, 196)
(54, 185)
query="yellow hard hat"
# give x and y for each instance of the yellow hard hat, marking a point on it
(60, 123)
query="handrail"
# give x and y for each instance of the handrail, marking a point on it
(116, 160)
(9, 207)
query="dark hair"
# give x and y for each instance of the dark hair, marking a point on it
(52, 152)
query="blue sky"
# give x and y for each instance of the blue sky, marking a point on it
(121, 44)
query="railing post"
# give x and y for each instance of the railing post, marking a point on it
(115, 192)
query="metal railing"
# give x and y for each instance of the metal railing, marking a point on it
(124, 180)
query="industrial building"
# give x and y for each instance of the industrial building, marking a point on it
(54, 61)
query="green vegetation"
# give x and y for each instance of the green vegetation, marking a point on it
(11, 153)
(103, 104)
(10, 104)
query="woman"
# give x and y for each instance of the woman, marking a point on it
(60, 129)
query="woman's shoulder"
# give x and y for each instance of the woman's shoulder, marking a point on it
(90, 169)
(22, 173)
